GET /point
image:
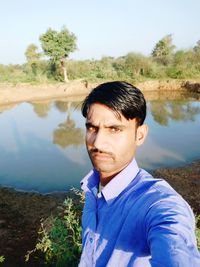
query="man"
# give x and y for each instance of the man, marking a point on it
(129, 218)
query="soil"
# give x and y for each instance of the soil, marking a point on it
(21, 214)
(186, 181)
(11, 94)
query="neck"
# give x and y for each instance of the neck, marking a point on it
(105, 180)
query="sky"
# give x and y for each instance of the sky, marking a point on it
(102, 27)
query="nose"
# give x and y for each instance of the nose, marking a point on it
(99, 140)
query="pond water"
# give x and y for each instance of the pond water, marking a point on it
(42, 144)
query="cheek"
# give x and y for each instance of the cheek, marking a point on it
(87, 141)
(88, 138)
(126, 146)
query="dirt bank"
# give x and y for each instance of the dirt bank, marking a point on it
(11, 94)
(21, 212)
(186, 181)
(20, 215)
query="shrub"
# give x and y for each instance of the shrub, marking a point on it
(198, 231)
(2, 259)
(60, 237)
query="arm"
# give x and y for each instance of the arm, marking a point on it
(170, 232)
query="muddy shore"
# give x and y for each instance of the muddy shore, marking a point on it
(12, 94)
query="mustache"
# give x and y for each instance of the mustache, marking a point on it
(95, 150)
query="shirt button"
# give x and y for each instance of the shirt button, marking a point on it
(91, 239)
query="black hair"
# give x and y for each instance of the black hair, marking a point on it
(122, 97)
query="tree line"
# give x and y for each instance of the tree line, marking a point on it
(50, 62)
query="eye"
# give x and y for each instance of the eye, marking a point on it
(91, 128)
(115, 129)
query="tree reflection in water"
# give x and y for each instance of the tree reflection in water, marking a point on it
(163, 111)
(41, 109)
(67, 133)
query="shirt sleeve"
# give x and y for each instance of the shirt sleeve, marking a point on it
(170, 229)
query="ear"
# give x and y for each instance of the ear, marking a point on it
(141, 134)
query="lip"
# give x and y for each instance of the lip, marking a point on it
(100, 156)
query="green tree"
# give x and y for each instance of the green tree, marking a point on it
(138, 64)
(32, 57)
(197, 48)
(163, 50)
(58, 46)
(197, 56)
(183, 65)
(31, 53)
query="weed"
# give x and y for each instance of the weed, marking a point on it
(2, 258)
(60, 237)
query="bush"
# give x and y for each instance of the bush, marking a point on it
(133, 67)
(2, 259)
(59, 238)
(198, 231)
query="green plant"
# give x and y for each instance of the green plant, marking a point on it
(2, 258)
(60, 237)
(198, 231)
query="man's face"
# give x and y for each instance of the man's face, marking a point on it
(111, 140)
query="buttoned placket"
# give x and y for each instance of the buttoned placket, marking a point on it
(95, 236)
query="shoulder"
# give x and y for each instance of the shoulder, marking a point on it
(157, 188)
(153, 187)
(159, 199)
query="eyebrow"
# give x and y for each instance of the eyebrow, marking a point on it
(89, 124)
(119, 126)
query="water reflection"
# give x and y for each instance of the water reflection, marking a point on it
(42, 144)
(163, 111)
(67, 106)
(41, 109)
(68, 134)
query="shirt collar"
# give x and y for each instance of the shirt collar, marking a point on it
(120, 181)
(91, 181)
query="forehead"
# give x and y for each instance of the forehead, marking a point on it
(100, 112)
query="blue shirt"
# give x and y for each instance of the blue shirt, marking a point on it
(137, 221)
